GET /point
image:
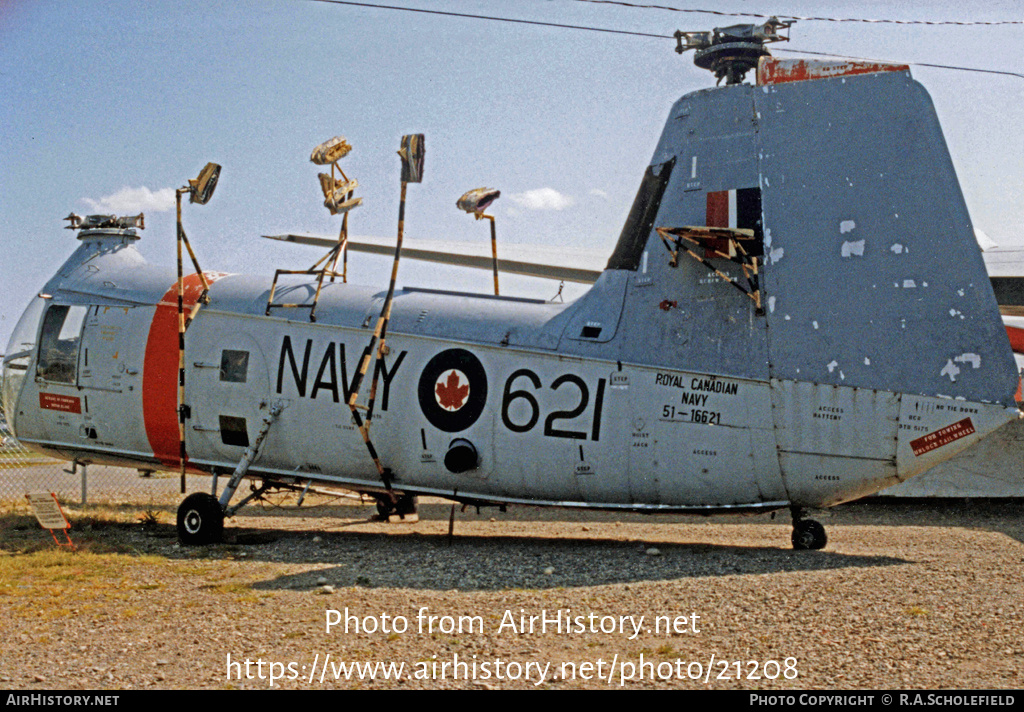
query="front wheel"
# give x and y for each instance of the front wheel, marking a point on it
(200, 520)
(808, 534)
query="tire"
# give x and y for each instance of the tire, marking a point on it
(200, 520)
(808, 534)
(404, 504)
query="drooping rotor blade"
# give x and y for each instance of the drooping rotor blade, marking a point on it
(467, 255)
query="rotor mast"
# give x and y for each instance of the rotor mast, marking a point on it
(730, 52)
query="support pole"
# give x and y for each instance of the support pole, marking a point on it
(412, 152)
(379, 333)
(494, 251)
(181, 342)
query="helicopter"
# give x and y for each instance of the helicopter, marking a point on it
(796, 314)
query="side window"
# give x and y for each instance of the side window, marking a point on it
(233, 431)
(234, 366)
(58, 343)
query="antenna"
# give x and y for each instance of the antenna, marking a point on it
(730, 52)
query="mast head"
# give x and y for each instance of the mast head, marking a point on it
(730, 52)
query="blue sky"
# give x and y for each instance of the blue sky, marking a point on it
(109, 106)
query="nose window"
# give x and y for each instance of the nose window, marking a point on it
(58, 343)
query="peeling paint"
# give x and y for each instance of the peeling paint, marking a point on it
(776, 254)
(909, 284)
(897, 248)
(771, 304)
(867, 361)
(950, 369)
(832, 366)
(773, 71)
(960, 292)
(853, 248)
(846, 226)
(815, 324)
(787, 317)
(971, 358)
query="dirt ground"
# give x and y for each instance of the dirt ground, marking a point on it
(925, 594)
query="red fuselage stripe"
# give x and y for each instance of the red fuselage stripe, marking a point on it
(1016, 335)
(160, 373)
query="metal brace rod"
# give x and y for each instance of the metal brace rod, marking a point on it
(247, 459)
(230, 511)
(673, 240)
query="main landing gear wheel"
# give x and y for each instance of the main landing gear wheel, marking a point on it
(403, 509)
(200, 520)
(808, 534)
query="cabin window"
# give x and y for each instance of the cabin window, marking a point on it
(58, 343)
(234, 366)
(233, 431)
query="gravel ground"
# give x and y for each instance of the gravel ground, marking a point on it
(906, 595)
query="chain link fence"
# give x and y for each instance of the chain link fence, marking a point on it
(23, 471)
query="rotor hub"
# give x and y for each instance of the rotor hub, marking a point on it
(730, 52)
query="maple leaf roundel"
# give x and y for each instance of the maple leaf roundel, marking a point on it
(453, 390)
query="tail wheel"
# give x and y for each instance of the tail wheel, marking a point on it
(808, 534)
(200, 520)
(402, 504)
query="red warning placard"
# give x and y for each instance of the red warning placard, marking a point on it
(946, 435)
(65, 404)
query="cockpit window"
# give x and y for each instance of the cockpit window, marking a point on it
(58, 343)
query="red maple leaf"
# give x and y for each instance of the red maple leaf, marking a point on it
(450, 395)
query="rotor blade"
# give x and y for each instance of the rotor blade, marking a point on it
(443, 253)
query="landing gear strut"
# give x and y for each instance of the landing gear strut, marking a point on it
(807, 533)
(201, 516)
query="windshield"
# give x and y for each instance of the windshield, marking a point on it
(17, 357)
